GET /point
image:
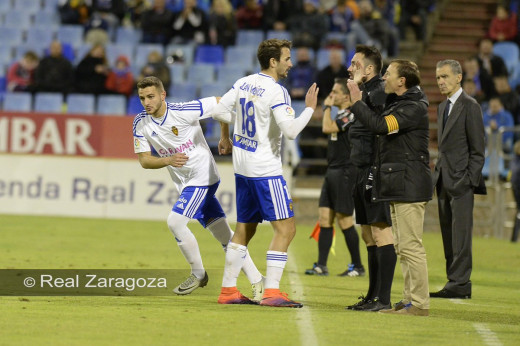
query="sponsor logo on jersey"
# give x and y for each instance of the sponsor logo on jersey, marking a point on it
(186, 147)
(289, 110)
(136, 143)
(245, 143)
(180, 206)
(175, 131)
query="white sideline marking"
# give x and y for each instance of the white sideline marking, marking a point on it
(304, 321)
(490, 338)
(459, 301)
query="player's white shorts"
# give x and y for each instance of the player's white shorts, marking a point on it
(261, 199)
(200, 203)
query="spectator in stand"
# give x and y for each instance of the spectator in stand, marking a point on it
(302, 75)
(378, 28)
(190, 24)
(309, 27)
(414, 13)
(156, 23)
(277, 12)
(111, 11)
(249, 16)
(494, 118)
(493, 64)
(335, 69)
(136, 8)
(92, 72)
(509, 97)
(20, 76)
(74, 12)
(222, 24)
(504, 25)
(54, 73)
(155, 66)
(120, 80)
(470, 88)
(480, 77)
(344, 18)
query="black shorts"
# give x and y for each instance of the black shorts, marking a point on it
(336, 192)
(368, 212)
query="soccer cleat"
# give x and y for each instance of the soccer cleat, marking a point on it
(258, 290)
(318, 269)
(374, 306)
(231, 295)
(363, 300)
(273, 297)
(353, 271)
(191, 284)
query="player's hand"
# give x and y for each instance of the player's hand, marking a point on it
(178, 160)
(225, 146)
(311, 98)
(329, 100)
(355, 93)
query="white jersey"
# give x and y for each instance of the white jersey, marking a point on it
(260, 104)
(179, 131)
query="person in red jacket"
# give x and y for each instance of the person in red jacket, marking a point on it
(20, 75)
(503, 25)
(121, 80)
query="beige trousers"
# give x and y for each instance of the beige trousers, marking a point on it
(407, 227)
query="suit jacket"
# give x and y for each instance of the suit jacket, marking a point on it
(461, 148)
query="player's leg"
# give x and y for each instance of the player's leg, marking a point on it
(189, 247)
(349, 231)
(326, 219)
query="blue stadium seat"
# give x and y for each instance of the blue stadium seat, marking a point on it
(177, 73)
(134, 105)
(182, 92)
(71, 34)
(249, 37)
(228, 74)
(11, 36)
(111, 105)
(298, 106)
(142, 51)
(17, 19)
(186, 49)
(509, 52)
(4, 6)
(200, 74)
(209, 54)
(3, 84)
(81, 104)
(245, 56)
(6, 54)
(18, 102)
(213, 89)
(48, 102)
(47, 19)
(39, 36)
(50, 5)
(30, 6)
(115, 50)
(282, 35)
(128, 35)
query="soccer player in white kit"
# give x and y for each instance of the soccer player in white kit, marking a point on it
(174, 132)
(263, 113)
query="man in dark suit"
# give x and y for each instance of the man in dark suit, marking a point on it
(457, 176)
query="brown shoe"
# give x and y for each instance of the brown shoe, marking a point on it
(396, 307)
(412, 311)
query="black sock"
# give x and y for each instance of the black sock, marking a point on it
(372, 272)
(324, 244)
(386, 259)
(352, 240)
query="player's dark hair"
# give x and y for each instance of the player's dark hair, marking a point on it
(372, 55)
(271, 49)
(409, 70)
(149, 82)
(343, 83)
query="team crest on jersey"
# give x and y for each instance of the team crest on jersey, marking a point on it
(136, 143)
(289, 110)
(290, 206)
(175, 131)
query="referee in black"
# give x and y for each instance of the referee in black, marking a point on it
(336, 193)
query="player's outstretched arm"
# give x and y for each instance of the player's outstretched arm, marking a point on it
(152, 162)
(292, 128)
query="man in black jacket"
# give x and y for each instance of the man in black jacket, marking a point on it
(402, 174)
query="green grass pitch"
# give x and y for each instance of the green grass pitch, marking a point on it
(492, 317)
